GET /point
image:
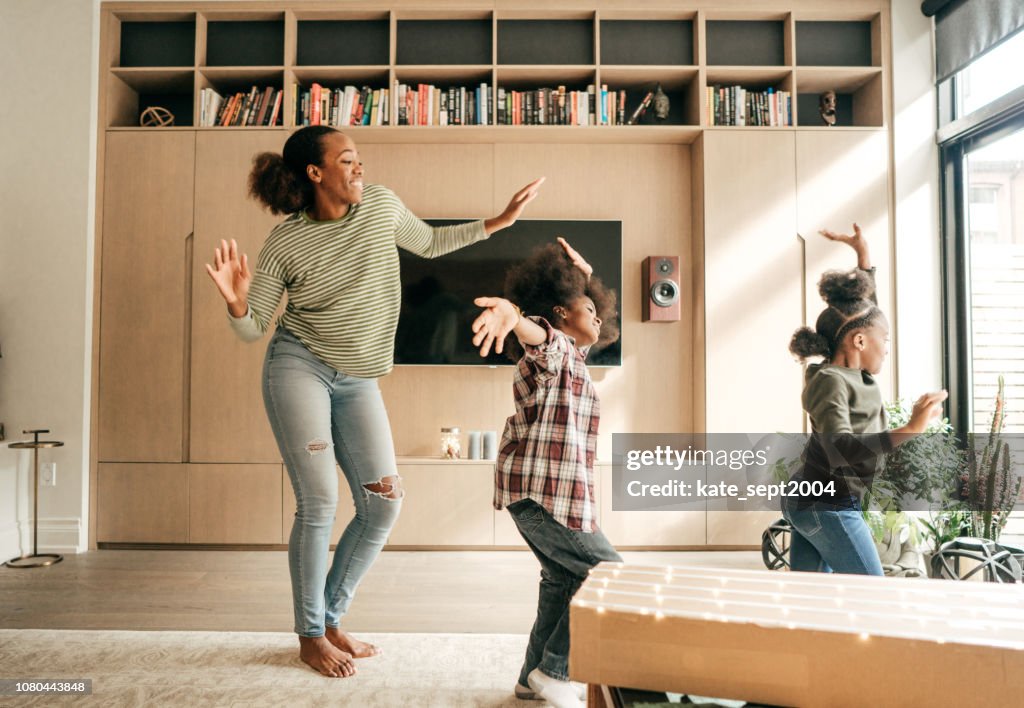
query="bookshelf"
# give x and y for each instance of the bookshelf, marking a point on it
(168, 58)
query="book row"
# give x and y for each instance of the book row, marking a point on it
(341, 107)
(735, 105)
(257, 107)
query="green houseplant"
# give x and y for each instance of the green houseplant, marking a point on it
(990, 488)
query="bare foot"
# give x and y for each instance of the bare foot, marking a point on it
(347, 643)
(326, 658)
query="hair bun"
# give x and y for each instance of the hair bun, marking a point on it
(840, 286)
(807, 343)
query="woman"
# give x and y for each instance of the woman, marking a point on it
(335, 256)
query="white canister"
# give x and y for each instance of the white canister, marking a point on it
(490, 445)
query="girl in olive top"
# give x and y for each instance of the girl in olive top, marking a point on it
(336, 256)
(848, 425)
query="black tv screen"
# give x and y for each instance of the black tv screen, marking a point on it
(437, 293)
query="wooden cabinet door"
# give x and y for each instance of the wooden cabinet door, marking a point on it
(446, 504)
(228, 422)
(753, 282)
(235, 504)
(147, 221)
(843, 177)
(754, 299)
(141, 503)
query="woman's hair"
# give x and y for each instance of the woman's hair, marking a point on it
(850, 299)
(547, 279)
(279, 181)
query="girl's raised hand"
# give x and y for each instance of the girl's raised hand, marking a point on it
(230, 273)
(926, 409)
(493, 324)
(576, 258)
(856, 241)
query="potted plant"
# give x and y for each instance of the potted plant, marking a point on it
(988, 489)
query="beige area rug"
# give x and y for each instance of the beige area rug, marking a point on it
(261, 669)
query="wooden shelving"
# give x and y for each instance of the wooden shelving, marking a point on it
(167, 58)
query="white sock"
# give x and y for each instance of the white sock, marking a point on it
(560, 694)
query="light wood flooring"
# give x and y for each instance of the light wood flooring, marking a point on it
(436, 591)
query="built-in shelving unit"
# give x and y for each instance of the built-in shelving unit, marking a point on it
(167, 59)
(183, 450)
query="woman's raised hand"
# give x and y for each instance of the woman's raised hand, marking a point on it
(492, 326)
(577, 260)
(515, 207)
(230, 273)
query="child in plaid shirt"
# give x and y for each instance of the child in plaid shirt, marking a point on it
(544, 475)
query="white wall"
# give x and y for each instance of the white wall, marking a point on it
(918, 339)
(49, 55)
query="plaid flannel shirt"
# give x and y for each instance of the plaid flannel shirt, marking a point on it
(547, 448)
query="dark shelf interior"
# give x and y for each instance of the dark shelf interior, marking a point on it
(833, 43)
(808, 115)
(444, 42)
(545, 42)
(668, 42)
(179, 104)
(158, 44)
(342, 43)
(745, 43)
(245, 43)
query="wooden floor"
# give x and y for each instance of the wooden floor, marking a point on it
(465, 591)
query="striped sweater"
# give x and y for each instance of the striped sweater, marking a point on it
(342, 279)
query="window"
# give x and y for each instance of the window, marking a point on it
(985, 260)
(990, 76)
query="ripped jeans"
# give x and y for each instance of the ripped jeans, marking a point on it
(320, 415)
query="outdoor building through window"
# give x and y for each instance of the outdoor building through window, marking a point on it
(994, 176)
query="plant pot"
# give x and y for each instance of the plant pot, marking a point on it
(975, 559)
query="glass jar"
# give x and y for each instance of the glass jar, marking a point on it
(451, 447)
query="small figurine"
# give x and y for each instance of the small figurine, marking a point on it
(661, 104)
(827, 107)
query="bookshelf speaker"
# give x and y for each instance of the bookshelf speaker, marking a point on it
(661, 296)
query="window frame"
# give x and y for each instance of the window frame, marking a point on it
(972, 132)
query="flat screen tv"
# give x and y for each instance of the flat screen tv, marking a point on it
(437, 293)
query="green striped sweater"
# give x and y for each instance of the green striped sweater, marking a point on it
(342, 278)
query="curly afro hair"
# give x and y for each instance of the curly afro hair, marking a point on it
(850, 296)
(278, 180)
(547, 279)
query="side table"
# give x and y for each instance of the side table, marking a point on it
(35, 559)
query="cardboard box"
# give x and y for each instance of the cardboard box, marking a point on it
(799, 639)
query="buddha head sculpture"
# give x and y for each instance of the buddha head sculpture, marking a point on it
(827, 107)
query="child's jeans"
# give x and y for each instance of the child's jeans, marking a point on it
(565, 556)
(827, 539)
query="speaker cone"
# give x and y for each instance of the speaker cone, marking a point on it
(664, 293)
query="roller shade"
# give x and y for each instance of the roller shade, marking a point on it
(966, 29)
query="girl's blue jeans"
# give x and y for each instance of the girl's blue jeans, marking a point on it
(321, 417)
(826, 539)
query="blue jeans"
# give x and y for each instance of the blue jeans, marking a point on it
(315, 410)
(826, 539)
(565, 557)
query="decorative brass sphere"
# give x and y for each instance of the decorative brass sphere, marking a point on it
(156, 117)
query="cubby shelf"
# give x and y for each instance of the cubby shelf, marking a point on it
(156, 55)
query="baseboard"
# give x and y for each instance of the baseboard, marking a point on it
(9, 541)
(60, 535)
